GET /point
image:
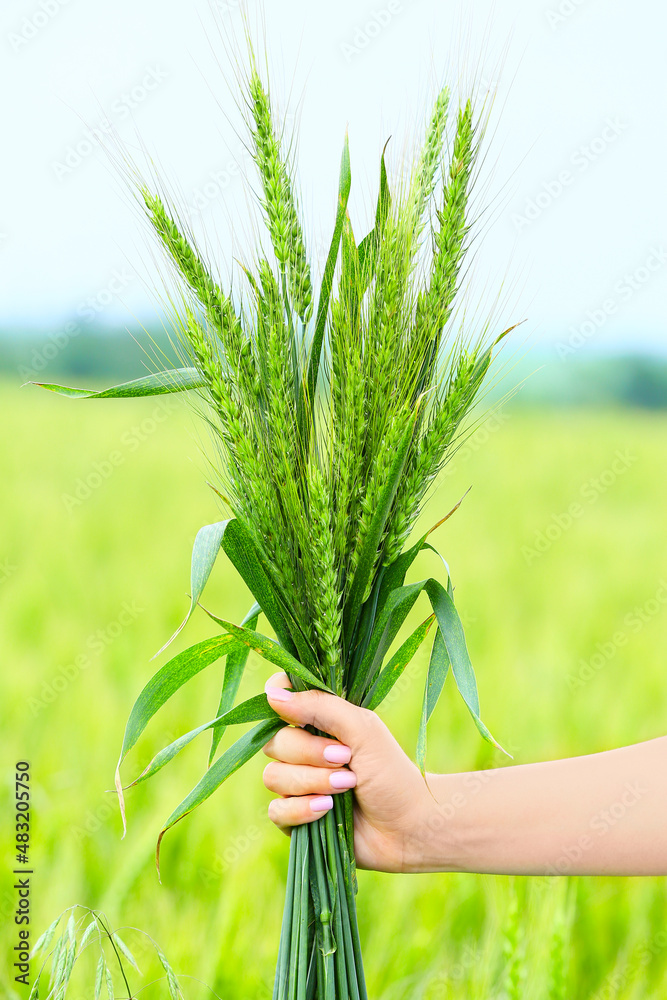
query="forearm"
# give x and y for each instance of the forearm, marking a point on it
(603, 814)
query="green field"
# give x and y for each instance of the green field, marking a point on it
(100, 503)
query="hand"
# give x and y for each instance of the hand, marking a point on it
(391, 797)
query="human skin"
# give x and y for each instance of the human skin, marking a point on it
(601, 814)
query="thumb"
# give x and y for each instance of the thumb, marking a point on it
(327, 712)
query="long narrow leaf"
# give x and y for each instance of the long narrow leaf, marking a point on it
(239, 546)
(157, 384)
(387, 625)
(253, 710)
(271, 651)
(234, 758)
(234, 668)
(204, 553)
(397, 664)
(307, 400)
(438, 669)
(454, 639)
(368, 248)
(168, 679)
(162, 685)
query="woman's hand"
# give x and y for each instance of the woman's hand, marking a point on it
(391, 797)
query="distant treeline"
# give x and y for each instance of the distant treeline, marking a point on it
(80, 354)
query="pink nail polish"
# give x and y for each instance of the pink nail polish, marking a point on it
(342, 779)
(278, 694)
(322, 804)
(337, 754)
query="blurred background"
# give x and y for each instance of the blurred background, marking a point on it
(565, 612)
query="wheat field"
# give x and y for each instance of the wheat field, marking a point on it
(560, 566)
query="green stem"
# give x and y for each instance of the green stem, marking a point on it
(342, 932)
(323, 918)
(349, 886)
(282, 969)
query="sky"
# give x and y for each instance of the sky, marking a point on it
(572, 231)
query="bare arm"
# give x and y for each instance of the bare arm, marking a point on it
(603, 814)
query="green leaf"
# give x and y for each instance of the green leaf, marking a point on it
(369, 246)
(253, 710)
(438, 669)
(387, 624)
(368, 553)
(233, 758)
(234, 668)
(204, 553)
(239, 546)
(349, 257)
(397, 664)
(454, 639)
(272, 652)
(168, 679)
(162, 685)
(307, 400)
(157, 384)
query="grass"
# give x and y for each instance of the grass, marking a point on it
(529, 626)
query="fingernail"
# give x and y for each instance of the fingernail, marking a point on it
(278, 694)
(322, 804)
(337, 754)
(342, 779)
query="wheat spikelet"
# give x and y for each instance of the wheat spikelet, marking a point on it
(325, 595)
(279, 202)
(424, 178)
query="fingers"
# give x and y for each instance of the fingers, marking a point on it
(348, 723)
(296, 811)
(300, 779)
(296, 746)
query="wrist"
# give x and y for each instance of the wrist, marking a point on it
(441, 840)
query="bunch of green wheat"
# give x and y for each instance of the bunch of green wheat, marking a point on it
(333, 413)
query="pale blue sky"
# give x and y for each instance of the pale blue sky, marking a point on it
(576, 164)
